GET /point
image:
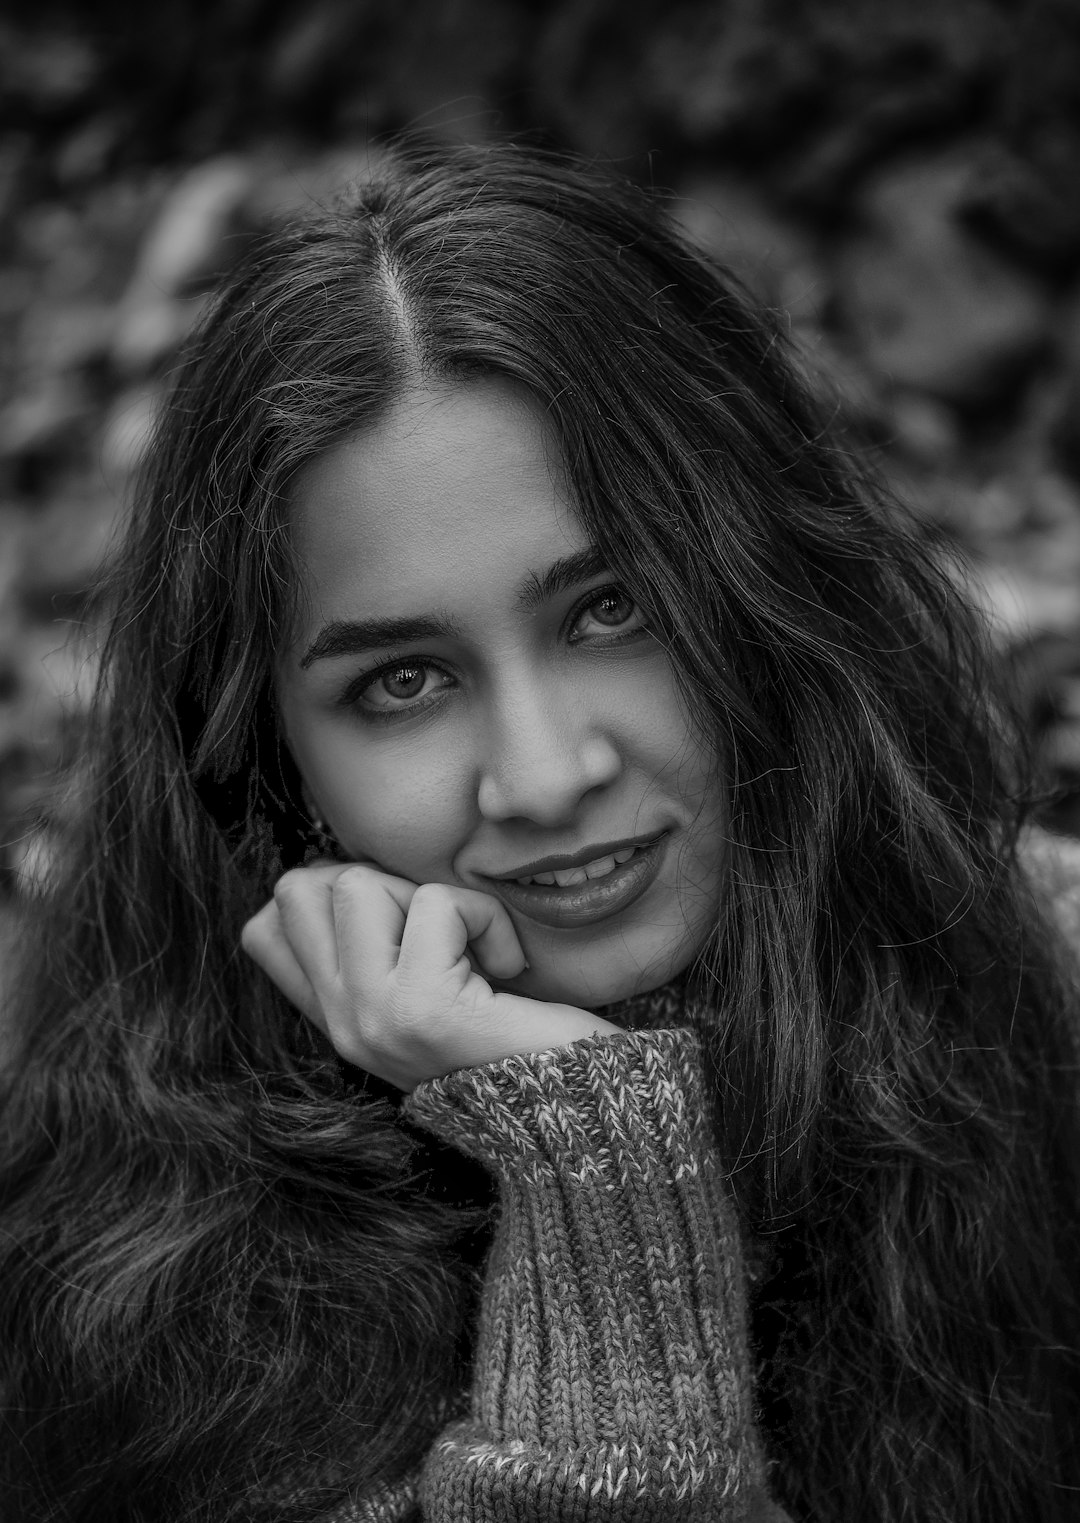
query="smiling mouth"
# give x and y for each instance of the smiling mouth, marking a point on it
(590, 891)
(567, 877)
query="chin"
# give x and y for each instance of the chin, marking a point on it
(587, 988)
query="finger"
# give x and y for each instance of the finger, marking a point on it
(304, 902)
(263, 939)
(492, 938)
(369, 911)
(443, 921)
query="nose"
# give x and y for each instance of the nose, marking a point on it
(543, 755)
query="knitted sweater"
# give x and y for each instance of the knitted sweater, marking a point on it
(612, 1379)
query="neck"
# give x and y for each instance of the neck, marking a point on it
(654, 1010)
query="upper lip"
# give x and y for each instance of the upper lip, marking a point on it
(560, 861)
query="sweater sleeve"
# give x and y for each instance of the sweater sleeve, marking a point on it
(612, 1378)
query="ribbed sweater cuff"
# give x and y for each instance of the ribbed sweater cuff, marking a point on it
(612, 1378)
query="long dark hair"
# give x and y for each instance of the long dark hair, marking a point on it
(225, 1265)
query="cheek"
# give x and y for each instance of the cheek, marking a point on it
(690, 770)
(404, 808)
(680, 761)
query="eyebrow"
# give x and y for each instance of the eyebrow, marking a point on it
(560, 576)
(352, 637)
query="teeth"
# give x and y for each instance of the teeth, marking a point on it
(566, 877)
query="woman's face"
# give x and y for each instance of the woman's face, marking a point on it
(471, 698)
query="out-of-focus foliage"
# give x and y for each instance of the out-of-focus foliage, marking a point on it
(899, 180)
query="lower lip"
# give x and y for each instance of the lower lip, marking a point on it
(585, 903)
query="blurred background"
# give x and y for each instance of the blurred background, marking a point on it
(898, 177)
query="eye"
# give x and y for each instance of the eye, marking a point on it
(400, 686)
(611, 610)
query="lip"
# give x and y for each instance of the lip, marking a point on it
(557, 863)
(586, 903)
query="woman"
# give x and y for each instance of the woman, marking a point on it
(488, 537)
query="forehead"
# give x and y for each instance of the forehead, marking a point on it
(453, 489)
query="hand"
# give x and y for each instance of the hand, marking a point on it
(382, 966)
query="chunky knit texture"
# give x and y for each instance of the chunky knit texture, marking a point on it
(612, 1379)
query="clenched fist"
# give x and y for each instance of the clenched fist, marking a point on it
(382, 966)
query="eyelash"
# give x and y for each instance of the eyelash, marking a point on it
(354, 693)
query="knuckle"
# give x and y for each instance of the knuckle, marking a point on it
(432, 896)
(251, 935)
(290, 886)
